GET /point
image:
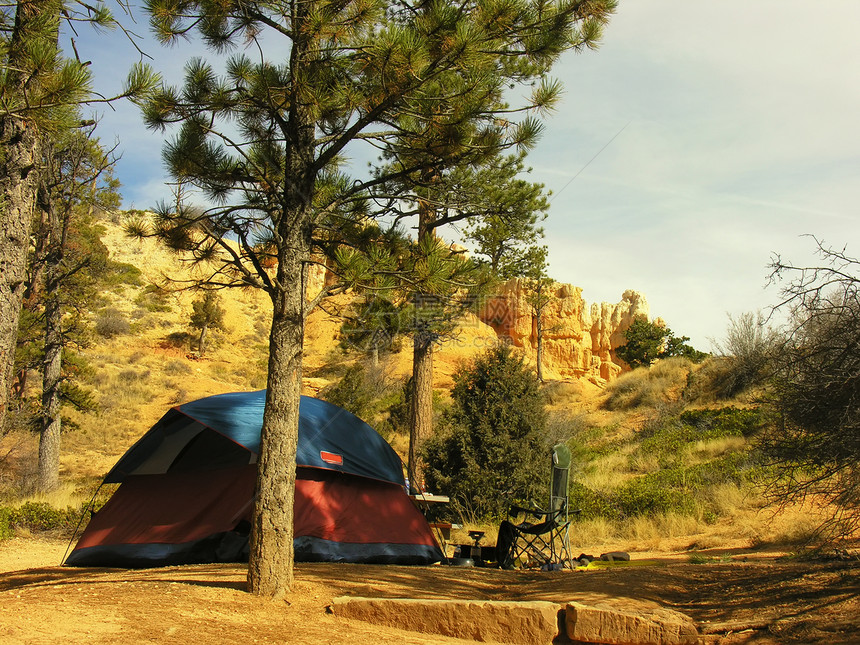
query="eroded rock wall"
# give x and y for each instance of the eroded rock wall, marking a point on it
(579, 340)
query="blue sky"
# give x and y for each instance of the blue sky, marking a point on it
(736, 133)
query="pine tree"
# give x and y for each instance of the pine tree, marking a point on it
(538, 300)
(424, 82)
(29, 51)
(507, 233)
(493, 452)
(38, 90)
(206, 313)
(500, 213)
(75, 166)
(648, 341)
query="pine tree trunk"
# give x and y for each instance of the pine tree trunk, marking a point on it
(541, 304)
(49, 432)
(19, 165)
(540, 345)
(49, 435)
(421, 410)
(18, 154)
(201, 342)
(270, 566)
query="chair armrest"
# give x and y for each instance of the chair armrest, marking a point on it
(534, 510)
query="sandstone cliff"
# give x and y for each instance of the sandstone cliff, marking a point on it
(579, 341)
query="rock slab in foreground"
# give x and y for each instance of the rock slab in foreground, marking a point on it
(604, 624)
(525, 623)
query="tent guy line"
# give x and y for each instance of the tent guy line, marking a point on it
(570, 181)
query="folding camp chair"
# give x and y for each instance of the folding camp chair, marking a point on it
(544, 542)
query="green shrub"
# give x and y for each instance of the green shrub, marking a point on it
(736, 468)
(492, 449)
(723, 422)
(154, 299)
(395, 406)
(110, 323)
(668, 438)
(39, 516)
(6, 530)
(678, 489)
(355, 391)
(652, 494)
(122, 273)
(180, 339)
(589, 503)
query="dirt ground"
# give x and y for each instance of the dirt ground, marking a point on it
(735, 597)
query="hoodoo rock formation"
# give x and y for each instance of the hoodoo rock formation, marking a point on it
(578, 341)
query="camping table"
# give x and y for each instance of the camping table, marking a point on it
(423, 500)
(442, 529)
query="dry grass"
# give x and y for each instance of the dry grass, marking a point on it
(653, 387)
(729, 499)
(67, 495)
(606, 472)
(597, 531)
(703, 451)
(650, 533)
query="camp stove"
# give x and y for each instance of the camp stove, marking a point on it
(475, 549)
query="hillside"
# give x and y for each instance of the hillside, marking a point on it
(143, 362)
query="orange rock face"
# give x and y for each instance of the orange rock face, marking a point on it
(579, 341)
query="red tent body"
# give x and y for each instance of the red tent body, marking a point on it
(186, 495)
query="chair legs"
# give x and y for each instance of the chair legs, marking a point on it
(549, 549)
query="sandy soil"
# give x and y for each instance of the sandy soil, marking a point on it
(737, 597)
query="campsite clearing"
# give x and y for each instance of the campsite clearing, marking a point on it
(741, 596)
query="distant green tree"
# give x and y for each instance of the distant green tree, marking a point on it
(647, 342)
(507, 234)
(538, 300)
(494, 449)
(207, 313)
(352, 391)
(373, 325)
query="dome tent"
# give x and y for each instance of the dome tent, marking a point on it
(187, 488)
